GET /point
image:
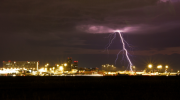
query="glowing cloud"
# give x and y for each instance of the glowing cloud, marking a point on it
(94, 29)
(105, 29)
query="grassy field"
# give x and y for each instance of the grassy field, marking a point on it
(89, 88)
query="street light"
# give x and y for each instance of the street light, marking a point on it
(133, 67)
(46, 65)
(159, 66)
(150, 66)
(166, 66)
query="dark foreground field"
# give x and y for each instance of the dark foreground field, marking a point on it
(91, 88)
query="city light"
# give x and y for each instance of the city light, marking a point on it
(64, 69)
(150, 66)
(61, 68)
(134, 67)
(166, 66)
(65, 64)
(159, 66)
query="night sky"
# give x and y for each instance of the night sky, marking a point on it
(49, 31)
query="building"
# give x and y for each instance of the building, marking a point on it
(50, 68)
(108, 67)
(28, 65)
(75, 67)
(67, 66)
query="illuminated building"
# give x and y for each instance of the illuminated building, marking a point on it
(75, 67)
(108, 67)
(22, 65)
(67, 66)
(59, 67)
(81, 70)
(51, 68)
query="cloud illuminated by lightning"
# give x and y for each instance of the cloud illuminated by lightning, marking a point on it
(103, 29)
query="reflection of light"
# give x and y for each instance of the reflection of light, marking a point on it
(89, 75)
(111, 72)
(57, 65)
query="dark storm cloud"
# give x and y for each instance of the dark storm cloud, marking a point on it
(35, 28)
(45, 16)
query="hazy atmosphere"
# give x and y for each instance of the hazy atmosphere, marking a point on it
(51, 31)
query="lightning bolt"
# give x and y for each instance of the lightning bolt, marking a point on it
(110, 42)
(124, 50)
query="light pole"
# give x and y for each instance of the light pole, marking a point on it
(159, 67)
(134, 68)
(166, 68)
(150, 66)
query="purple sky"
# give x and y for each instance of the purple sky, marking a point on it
(51, 31)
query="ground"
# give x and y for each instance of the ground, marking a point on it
(89, 88)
